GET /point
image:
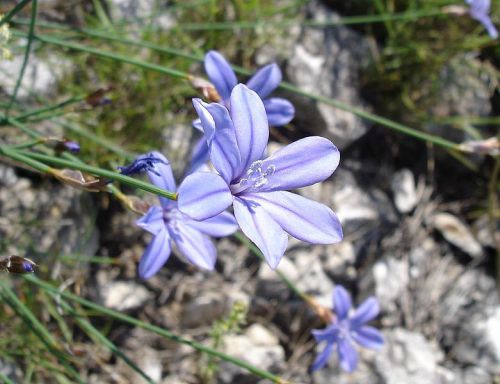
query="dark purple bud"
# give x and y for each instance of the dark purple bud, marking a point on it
(72, 146)
(17, 264)
(143, 163)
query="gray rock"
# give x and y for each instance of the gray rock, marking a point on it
(478, 341)
(408, 357)
(391, 279)
(326, 61)
(302, 266)
(40, 77)
(62, 226)
(258, 346)
(147, 359)
(403, 188)
(268, 282)
(123, 295)
(338, 260)
(476, 375)
(464, 88)
(360, 209)
(11, 370)
(210, 306)
(311, 278)
(457, 233)
(142, 12)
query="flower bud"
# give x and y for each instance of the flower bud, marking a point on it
(206, 88)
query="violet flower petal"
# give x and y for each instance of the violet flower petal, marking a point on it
(348, 356)
(265, 80)
(279, 111)
(152, 221)
(224, 152)
(156, 255)
(220, 73)
(206, 120)
(368, 337)
(341, 302)
(250, 124)
(221, 225)
(198, 125)
(367, 310)
(479, 10)
(196, 247)
(302, 163)
(261, 229)
(203, 195)
(329, 334)
(322, 357)
(199, 156)
(162, 177)
(304, 219)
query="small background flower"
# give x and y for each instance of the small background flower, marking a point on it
(347, 329)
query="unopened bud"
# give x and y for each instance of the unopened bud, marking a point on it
(135, 204)
(17, 264)
(206, 88)
(489, 146)
(98, 98)
(80, 180)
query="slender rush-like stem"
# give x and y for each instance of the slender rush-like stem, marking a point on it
(14, 11)
(38, 328)
(98, 172)
(286, 86)
(155, 329)
(113, 56)
(27, 51)
(96, 335)
(15, 155)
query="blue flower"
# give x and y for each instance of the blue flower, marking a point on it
(170, 226)
(278, 110)
(479, 10)
(143, 163)
(255, 186)
(347, 329)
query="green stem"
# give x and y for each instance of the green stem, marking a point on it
(14, 154)
(27, 130)
(113, 56)
(401, 128)
(14, 11)
(374, 118)
(27, 52)
(112, 189)
(96, 335)
(242, 239)
(348, 20)
(37, 327)
(46, 109)
(155, 329)
(27, 144)
(229, 25)
(101, 172)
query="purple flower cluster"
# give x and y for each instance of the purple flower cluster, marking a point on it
(256, 186)
(348, 329)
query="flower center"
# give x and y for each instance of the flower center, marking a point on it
(257, 176)
(172, 216)
(344, 329)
